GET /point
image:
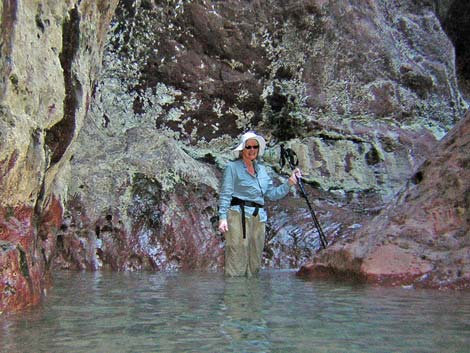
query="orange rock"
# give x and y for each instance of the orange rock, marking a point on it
(390, 263)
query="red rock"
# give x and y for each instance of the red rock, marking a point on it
(390, 263)
(421, 238)
(24, 255)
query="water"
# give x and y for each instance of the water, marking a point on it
(196, 312)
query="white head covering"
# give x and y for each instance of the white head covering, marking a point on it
(248, 136)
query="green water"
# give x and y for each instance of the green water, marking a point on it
(275, 312)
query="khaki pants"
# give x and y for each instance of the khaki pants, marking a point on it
(243, 256)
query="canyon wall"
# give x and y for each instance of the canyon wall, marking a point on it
(50, 55)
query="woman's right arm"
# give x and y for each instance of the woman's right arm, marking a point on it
(225, 197)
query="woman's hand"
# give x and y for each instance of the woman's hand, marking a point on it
(223, 226)
(296, 174)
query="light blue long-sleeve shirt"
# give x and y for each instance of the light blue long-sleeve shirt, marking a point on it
(237, 182)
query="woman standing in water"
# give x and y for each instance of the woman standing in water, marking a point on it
(242, 217)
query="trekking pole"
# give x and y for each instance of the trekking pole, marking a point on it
(289, 155)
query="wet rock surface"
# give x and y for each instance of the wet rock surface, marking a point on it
(27, 248)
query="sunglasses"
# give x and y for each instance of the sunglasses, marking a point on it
(250, 147)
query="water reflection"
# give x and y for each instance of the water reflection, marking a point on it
(244, 317)
(200, 312)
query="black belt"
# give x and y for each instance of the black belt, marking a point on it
(242, 203)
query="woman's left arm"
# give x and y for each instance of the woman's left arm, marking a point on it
(278, 192)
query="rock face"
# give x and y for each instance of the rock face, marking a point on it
(421, 238)
(361, 93)
(453, 15)
(50, 53)
(118, 117)
(153, 207)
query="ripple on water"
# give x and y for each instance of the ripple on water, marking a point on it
(201, 312)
